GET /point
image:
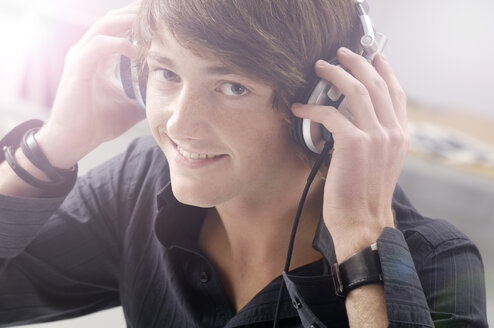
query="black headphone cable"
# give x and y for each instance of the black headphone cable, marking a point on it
(328, 146)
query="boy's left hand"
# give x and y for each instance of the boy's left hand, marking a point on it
(369, 151)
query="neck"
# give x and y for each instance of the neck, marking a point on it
(247, 239)
(257, 231)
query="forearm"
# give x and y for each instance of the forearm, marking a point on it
(366, 307)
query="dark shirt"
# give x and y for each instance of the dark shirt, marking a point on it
(121, 238)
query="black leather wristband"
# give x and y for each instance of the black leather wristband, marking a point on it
(14, 136)
(62, 180)
(23, 174)
(362, 268)
(33, 152)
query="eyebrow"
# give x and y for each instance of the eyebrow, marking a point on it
(215, 69)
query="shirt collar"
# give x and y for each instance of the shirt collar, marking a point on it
(179, 224)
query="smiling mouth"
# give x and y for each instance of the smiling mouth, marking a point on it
(190, 155)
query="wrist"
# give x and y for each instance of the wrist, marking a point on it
(346, 247)
(34, 175)
(62, 152)
(357, 232)
(360, 269)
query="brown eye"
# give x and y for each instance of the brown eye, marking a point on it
(233, 89)
(166, 75)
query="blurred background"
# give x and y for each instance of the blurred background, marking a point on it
(442, 52)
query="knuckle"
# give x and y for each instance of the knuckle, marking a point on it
(361, 60)
(111, 12)
(70, 54)
(401, 96)
(399, 140)
(98, 39)
(358, 141)
(378, 83)
(359, 89)
(378, 136)
(395, 136)
(335, 69)
(98, 23)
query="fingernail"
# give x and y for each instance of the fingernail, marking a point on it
(321, 63)
(344, 51)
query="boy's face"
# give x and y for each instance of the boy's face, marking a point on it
(217, 128)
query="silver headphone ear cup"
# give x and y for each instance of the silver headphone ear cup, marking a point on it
(313, 135)
(125, 76)
(129, 77)
(136, 85)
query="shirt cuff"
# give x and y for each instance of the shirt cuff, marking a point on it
(405, 299)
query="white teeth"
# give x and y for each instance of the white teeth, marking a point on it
(189, 155)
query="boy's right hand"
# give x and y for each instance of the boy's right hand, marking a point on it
(90, 106)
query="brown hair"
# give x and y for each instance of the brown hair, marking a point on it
(276, 41)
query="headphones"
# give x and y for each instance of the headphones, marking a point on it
(312, 135)
(309, 134)
(134, 87)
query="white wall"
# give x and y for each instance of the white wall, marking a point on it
(441, 50)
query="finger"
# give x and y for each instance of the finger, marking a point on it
(356, 94)
(329, 116)
(377, 87)
(132, 8)
(99, 49)
(108, 25)
(397, 95)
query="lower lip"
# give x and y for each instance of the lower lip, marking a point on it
(193, 163)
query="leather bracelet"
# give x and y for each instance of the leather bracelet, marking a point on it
(25, 175)
(20, 135)
(13, 137)
(362, 268)
(34, 153)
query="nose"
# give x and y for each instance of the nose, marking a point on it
(187, 115)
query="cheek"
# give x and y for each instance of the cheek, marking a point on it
(157, 114)
(263, 139)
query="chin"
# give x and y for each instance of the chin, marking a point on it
(195, 194)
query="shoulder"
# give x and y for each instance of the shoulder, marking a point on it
(144, 163)
(448, 264)
(144, 149)
(142, 156)
(427, 237)
(142, 167)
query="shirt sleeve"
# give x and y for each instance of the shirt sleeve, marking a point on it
(433, 274)
(440, 283)
(57, 259)
(21, 219)
(60, 258)
(406, 304)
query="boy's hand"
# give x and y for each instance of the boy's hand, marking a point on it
(90, 106)
(369, 151)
